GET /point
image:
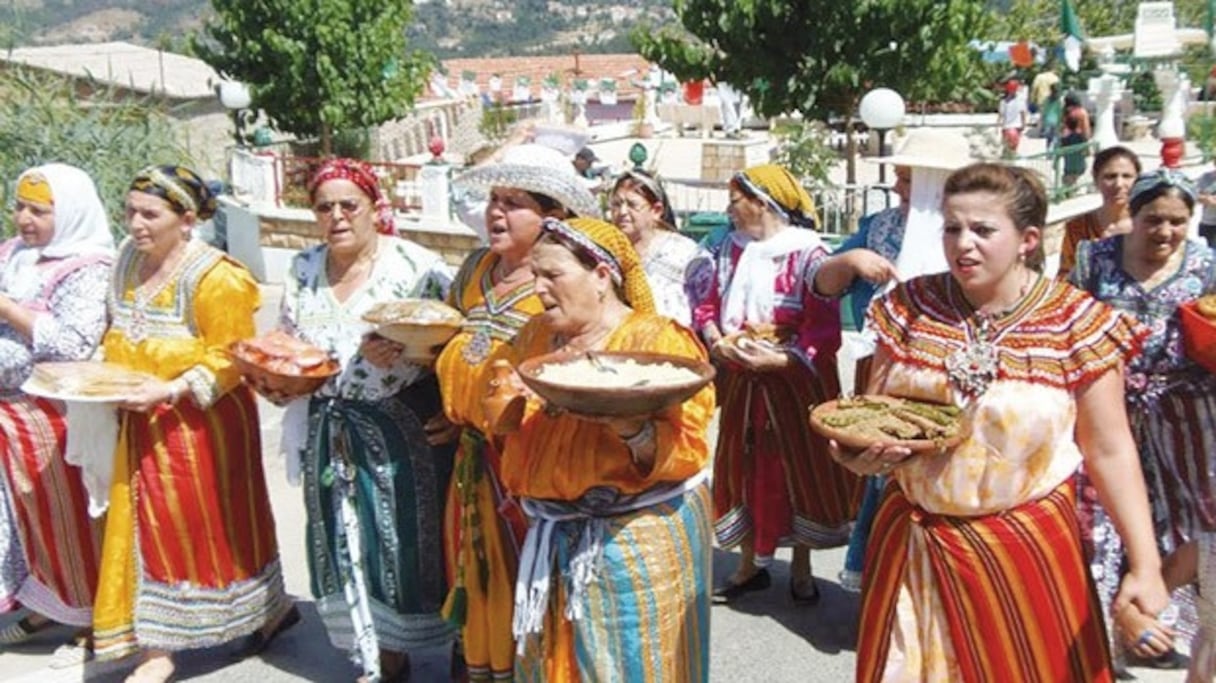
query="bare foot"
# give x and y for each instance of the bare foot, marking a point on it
(156, 668)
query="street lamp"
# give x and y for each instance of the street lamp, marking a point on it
(881, 110)
(235, 97)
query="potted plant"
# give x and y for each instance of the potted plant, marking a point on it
(642, 127)
(522, 91)
(550, 88)
(607, 90)
(468, 83)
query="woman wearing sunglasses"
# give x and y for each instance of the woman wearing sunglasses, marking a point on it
(373, 486)
(640, 208)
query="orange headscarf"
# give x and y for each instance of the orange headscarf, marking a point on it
(605, 243)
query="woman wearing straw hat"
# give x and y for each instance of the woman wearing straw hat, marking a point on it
(373, 486)
(52, 308)
(494, 288)
(775, 344)
(640, 208)
(613, 577)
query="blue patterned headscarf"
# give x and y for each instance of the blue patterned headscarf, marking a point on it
(1149, 184)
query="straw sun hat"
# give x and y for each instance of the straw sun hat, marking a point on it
(931, 148)
(535, 168)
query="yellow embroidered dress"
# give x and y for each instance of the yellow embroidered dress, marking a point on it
(189, 557)
(483, 527)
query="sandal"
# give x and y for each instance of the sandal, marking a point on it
(21, 631)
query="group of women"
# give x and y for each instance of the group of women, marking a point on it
(186, 554)
(554, 546)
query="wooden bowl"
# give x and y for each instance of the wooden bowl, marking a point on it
(421, 326)
(596, 399)
(283, 385)
(857, 441)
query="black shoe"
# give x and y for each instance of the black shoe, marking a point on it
(728, 591)
(806, 599)
(257, 641)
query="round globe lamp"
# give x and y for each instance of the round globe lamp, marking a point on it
(881, 110)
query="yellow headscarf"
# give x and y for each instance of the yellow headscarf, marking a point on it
(781, 191)
(34, 187)
(605, 243)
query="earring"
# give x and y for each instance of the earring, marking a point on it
(601, 296)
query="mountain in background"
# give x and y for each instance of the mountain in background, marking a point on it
(445, 28)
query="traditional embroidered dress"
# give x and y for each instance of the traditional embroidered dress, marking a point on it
(1171, 402)
(373, 488)
(616, 566)
(1077, 230)
(49, 505)
(189, 558)
(483, 526)
(1203, 646)
(666, 265)
(974, 570)
(772, 475)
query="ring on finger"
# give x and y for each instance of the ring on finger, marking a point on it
(1145, 636)
(886, 467)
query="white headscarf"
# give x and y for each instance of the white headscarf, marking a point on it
(81, 228)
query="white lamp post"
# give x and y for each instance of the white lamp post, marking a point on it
(236, 98)
(881, 110)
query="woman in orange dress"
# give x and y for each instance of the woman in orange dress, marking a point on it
(1115, 170)
(613, 578)
(484, 527)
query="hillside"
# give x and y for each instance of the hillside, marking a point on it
(446, 28)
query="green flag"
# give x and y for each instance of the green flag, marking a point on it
(1070, 25)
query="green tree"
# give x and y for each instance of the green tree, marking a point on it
(819, 57)
(316, 67)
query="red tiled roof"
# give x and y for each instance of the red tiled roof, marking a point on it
(625, 68)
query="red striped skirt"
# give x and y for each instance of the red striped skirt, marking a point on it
(1011, 590)
(61, 543)
(773, 476)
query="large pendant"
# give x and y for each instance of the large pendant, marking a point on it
(972, 368)
(478, 348)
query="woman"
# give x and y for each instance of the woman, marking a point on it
(373, 487)
(495, 290)
(640, 208)
(52, 308)
(982, 539)
(773, 478)
(1148, 273)
(619, 507)
(188, 465)
(1115, 169)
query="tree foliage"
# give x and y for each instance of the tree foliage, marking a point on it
(1039, 20)
(819, 56)
(318, 66)
(111, 136)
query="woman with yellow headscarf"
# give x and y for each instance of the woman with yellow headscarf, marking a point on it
(774, 341)
(619, 508)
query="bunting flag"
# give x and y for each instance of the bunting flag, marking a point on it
(1070, 26)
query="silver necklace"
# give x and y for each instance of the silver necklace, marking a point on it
(976, 365)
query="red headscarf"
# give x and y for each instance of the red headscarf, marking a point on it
(361, 174)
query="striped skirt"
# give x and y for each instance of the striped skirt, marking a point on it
(373, 494)
(1003, 597)
(646, 615)
(483, 532)
(60, 544)
(189, 558)
(773, 476)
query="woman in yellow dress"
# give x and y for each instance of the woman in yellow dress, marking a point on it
(189, 558)
(494, 289)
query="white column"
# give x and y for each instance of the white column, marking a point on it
(1105, 91)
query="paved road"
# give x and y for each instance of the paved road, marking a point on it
(762, 637)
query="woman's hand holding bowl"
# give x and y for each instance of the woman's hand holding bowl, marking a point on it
(879, 458)
(379, 351)
(150, 394)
